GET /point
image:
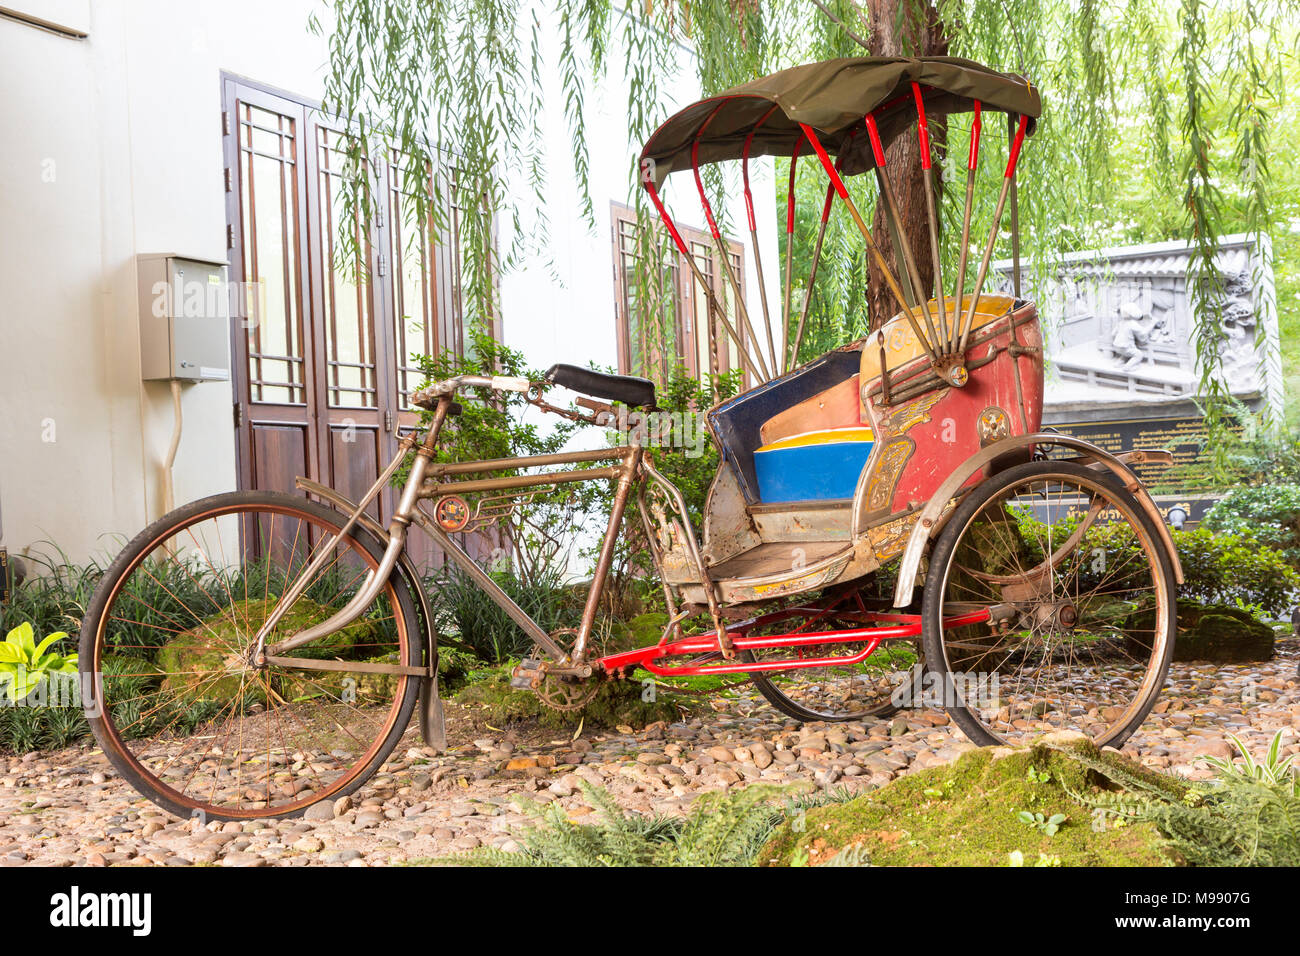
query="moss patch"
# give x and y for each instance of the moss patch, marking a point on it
(195, 661)
(1208, 632)
(616, 702)
(967, 814)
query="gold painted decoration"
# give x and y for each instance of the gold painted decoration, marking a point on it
(906, 417)
(889, 467)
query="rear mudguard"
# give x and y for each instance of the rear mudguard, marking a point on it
(929, 523)
(433, 728)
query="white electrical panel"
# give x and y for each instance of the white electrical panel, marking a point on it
(184, 319)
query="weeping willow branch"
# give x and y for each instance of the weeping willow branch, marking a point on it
(459, 87)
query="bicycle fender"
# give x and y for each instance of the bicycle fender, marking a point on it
(928, 522)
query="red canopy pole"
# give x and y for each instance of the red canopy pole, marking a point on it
(905, 248)
(817, 253)
(753, 238)
(972, 161)
(1008, 177)
(789, 258)
(724, 257)
(890, 279)
(667, 220)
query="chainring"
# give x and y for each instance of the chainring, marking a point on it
(562, 692)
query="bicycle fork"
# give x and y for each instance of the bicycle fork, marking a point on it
(376, 578)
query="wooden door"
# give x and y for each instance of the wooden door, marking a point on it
(273, 372)
(353, 394)
(325, 330)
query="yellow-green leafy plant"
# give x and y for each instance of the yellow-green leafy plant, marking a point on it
(24, 663)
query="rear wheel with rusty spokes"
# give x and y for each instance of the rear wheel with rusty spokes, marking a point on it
(1080, 592)
(188, 716)
(844, 688)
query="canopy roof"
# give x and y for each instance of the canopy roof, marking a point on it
(833, 98)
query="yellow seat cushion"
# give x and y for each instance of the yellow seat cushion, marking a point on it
(823, 436)
(901, 343)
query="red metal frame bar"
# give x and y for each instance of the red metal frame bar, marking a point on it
(909, 626)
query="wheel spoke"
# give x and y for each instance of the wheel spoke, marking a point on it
(187, 711)
(1076, 563)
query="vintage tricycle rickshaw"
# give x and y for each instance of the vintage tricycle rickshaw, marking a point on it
(258, 652)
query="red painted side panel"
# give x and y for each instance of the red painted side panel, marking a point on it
(935, 430)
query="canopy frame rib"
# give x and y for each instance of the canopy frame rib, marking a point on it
(699, 276)
(972, 162)
(890, 279)
(932, 216)
(778, 365)
(1007, 179)
(817, 253)
(793, 356)
(724, 256)
(891, 210)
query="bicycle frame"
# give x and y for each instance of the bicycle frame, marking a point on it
(430, 480)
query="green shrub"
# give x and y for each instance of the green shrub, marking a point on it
(1268, 513)
(465, 615)
(1219, 568)
(1233, 568)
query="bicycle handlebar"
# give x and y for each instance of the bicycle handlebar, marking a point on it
(448, 386)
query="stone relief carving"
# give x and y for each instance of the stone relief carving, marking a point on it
(1119, 325)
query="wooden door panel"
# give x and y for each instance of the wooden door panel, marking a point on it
(324, 341)
(355, 454)
(280, 454)
(271, 322)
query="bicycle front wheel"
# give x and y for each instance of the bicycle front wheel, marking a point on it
(184, 713)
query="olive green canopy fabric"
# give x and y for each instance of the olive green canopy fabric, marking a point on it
(833, 98)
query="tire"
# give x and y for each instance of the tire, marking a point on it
(164, 535)
(1045, 612)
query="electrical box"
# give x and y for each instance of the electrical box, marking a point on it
(184, 319)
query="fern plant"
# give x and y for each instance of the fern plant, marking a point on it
(1248, 816)
(722, 829)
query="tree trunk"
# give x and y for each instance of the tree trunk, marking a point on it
(909, 28)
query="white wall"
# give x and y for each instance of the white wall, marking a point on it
(113, 148)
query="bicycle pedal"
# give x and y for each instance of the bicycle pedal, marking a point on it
(528, 674)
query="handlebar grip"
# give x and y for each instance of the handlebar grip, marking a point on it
(511, 383)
